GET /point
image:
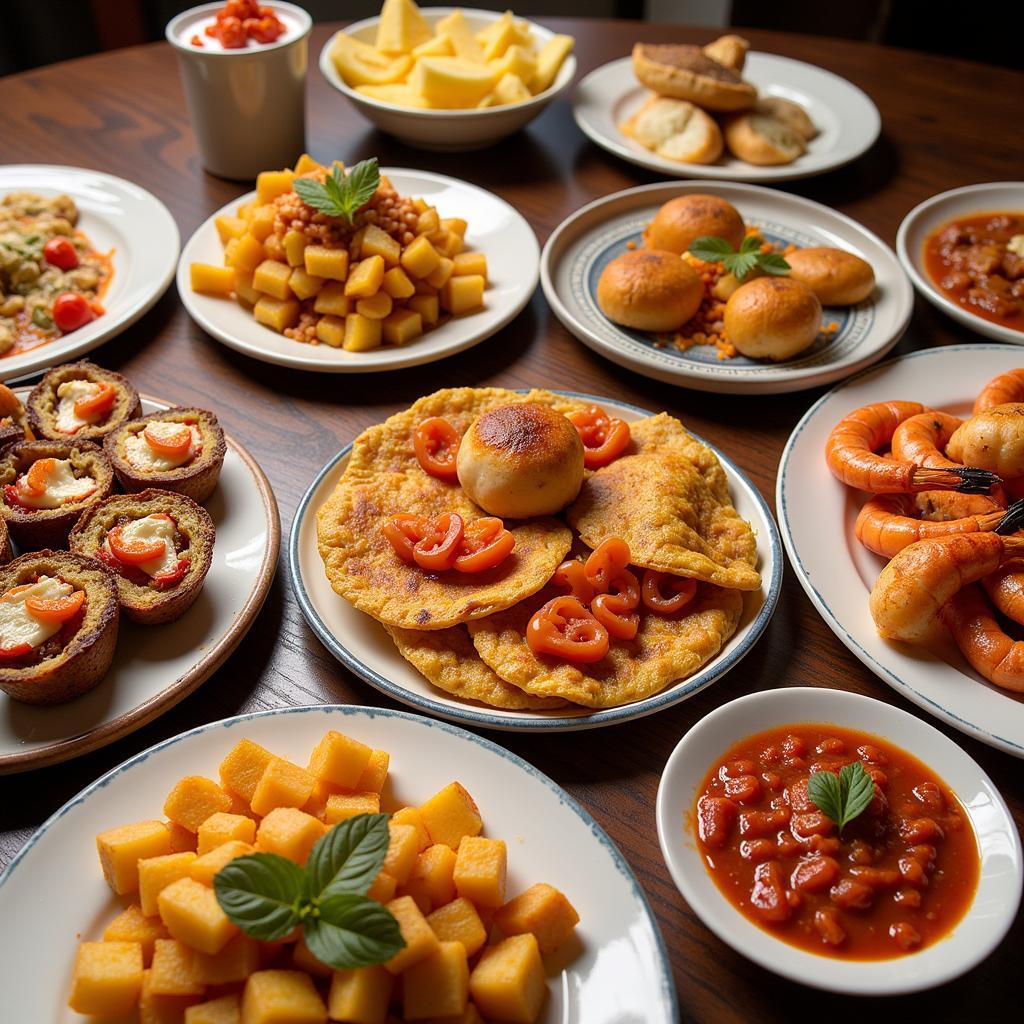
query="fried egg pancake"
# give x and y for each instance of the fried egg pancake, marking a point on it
(664, 433)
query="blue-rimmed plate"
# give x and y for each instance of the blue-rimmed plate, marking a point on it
(817, 515)
(583, 245)
(615, 970)
(361, 644)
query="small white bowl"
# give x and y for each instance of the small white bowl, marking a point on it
(447, 130)
(933, 213)
(982, 927)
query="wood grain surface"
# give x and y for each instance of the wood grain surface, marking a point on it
(944, 124)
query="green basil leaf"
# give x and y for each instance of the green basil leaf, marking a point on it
(825, 792)
(751, 243)
(262, 893)
(42, 319)
(858, 790)
(314, 194)
(352, 931)
(362, 181)
(710, 248)
(349, 856)
(740, 264)
(773, 263)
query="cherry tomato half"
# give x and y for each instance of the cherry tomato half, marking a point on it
(133, 552)
(56, 609)
(681, 591)
(440, 545)
(485, 545)
(404, 532)
(604, 438)
(563, 628)
(436, 443)
(71, 311)
(572, 574)
(98, 404)
(60, 252)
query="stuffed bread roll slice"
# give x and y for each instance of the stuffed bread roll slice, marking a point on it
(82, 401)
(13, 418)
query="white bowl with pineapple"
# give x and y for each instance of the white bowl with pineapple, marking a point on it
(349, 271)
(448, 78)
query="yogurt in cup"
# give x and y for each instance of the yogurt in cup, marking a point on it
(247, 105)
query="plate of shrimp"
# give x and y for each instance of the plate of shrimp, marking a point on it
(920, 461)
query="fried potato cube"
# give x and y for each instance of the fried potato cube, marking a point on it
(360, 995)
(403, 848)
(342, 806)
(332, 300)
(550, 58)
(432, 883)
(412, 816)
(171, 973)
(420, 941)
(193, 799)
(205, 867)
(306, 163)
(376, 307)
(235, 962)
(362, 333)
(428, 307)
(462, 295)
(132, 925)
(271, 278)
(438, 985)
(273, 249)
(377, 242)
(192, 915)
(459, 921)
(261, 221)
(375, 774)
(451, 814)
(211, 280)
(331, 331)
(397, 284)
(447, 243)
(156, 873)
(223, 827)
(229, 227)
(294, 243)
(304, 285)
(507, 983)
(225, 1010)
(303, 960)
(245, 253)
(161, 1009)
(271, 184)
(241, 770)
(107, 979)
(244, 291)
(339, 759)
(428, 222)
(282, 784)
(122, 848)
(326, 261)
(480, 869)
(282, 997)
(542, 911)
(383, 888)
(402, 326)
(365, 278)
(289, 833)
(420, 258)
(457, 225)
(470, 264)
(317, 802)
(441, 273)
(276, 314)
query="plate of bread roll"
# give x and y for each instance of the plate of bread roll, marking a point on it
(720, 111)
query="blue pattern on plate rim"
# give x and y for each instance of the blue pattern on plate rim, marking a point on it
(541, 723)
(668, 989)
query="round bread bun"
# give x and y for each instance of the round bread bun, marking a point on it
(520, 461)
(730, 51)
(676, 130)
(837, 277)
(687, 73)
(772, 318)
(649, 290)
(762, 139)
(790, 114)
(681, 221)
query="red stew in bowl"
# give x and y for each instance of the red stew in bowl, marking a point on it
(896, 878)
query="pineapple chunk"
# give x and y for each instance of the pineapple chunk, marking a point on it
(229, 227)
(383, 888)
(464, 42)
(171, 973)
(306, 163)
(271, 184)
(507, 984)
(431, 883)
(131, 925)
(261, 223)
(480, 868)
(304, 285)
(517, 60)
(225, 1010)
(245, 253)
(271, 278)
(376, 307)
(222, 828)
(193, 916)
(121, 849)
(203, 868)
(544, 912)
(281, 997)
(365, 278)
(397, 284)
(403, 849)
(377, 242)
(294, 243)
(181, 839)
(451, 83)
(400, 94)
(459, 921)
(420, 258)
(501, 37)
(439, 46)
(463, 294)
(331, 331)
(342, 806)
(402, 326)
(428, 307)
(451, 814)
(412, 816)
(339, 759)
(375, 774)
(277, 314)
(360, 996)
(441, 273)
(333, 300)
(156, 873)
(358, 63)
(470, 264)
(242, 769)
(361, 333)
(193, 800)
(401, 27)
(438, 985)
(551, 57)
(282, 784)
(289, 833)
(108, 978)
(510, 89)
(420, 941)
(326, 261)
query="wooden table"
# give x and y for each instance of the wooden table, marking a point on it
(945, 124)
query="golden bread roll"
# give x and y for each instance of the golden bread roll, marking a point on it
(838, 278)
(683, 220)
(772, 318)
(762, 139)
(649, 290)
(790, 114)
(686, 73)
(730, 51)
(519, 461)
(676, 130)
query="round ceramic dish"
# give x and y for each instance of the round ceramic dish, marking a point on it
(361, 644)
(615, 970)
(154, 667)
(583, 245)
(117, 217)
(495, 228)
(999, 888)
(848, 122)
(817, 515)
(447, 129)
(932, 214)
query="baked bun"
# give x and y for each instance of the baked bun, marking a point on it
(6, 551)
(687, 73)
(676, 130)
(790, 114)
(772, 318)
(13, 418)
(762, 139)
(82, 401)
(838, 278)
(519, 461)
(729, 51)
(683, 220)
(649, 290)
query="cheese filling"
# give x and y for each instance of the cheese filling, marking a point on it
(18, 625)
(142, 456)
(62, 487)
(70, 392)
(145, 531)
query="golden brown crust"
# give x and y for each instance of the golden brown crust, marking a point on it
(838, 278)
(730, 51)
(683, 220)
(649, 290)
(772, 318)
(687, 73)
(14, 424)
(146, 604)
(789, 113)
(86, 656)
(676, 130)
(49, 527)
(6, 551)
(42, 401)
(762, 139)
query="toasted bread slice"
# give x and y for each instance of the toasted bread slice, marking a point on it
(45, 405)
(730, 51)
(676, 130)
(762, 139)
(686, 73)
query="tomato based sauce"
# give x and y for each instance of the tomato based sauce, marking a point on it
(896, 879)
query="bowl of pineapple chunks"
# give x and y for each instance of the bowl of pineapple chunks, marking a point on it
(448, 78)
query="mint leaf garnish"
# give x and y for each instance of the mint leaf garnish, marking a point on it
(842, 797)
(341, 195)
(352, 931)
(262, 893)
(712, 249)
(348, 859)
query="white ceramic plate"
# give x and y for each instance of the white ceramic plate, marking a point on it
(583, 245)
(817, 514)
(361, 644)
(115, 215)
(848, 122)
(988, 918)
(495, 228)
(155, 667)
(615, 971)
(923, 219)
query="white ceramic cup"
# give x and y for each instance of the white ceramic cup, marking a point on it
(248, 106)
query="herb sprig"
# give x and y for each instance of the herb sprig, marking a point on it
(712, 249)
(341, 194)
(842, 797)
(268, 896)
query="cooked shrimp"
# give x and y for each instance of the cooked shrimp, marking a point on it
(1007, 387)
(1005, 587)
(921, 578)
(940, 506)
(851, 455)
(921, 439)
(982, 641)
(992, 440)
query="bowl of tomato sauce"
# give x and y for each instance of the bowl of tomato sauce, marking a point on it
(839, 841)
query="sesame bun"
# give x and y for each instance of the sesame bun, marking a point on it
(684, 219)
(838, 278)
(649, 290)
(772, 318)
(520, 461)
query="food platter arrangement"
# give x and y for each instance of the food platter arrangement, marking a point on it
(519, 559)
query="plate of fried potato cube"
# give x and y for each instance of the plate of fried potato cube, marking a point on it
(359, 269)
(519, 910)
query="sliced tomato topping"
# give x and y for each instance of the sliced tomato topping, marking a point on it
(133, 552)
(56, 609)
(38, 475)
(14, 500)
(572, 574)
(173, 444)
(564, 629)
(15, 591)
(436, 443)
(440, 545)
(97, 404)
(607, 570)
(604, 437)
(485, 545)
(17, 651)
(614, 612)
(680, 590)
(403, 532)
(162, 580)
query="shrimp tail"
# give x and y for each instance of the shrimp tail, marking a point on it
(1013, 519)
(974, 481)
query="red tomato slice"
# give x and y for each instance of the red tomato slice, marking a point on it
(564, 629)
(57, 609)
(61, 253)
(133, 552)
(436, 444)
(96, 405)
(437, 550)
(173, 445)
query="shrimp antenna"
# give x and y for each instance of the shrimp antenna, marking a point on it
(1013, 519)
(975, 481)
